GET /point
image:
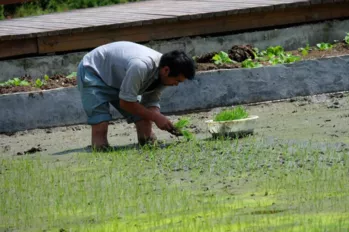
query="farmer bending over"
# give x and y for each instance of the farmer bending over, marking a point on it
(120, 73)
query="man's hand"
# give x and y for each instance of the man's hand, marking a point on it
(163, 123)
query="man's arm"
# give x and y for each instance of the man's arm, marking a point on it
(135, 75)
(149, 114)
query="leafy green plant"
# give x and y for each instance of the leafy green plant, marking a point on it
(346, 38)
(15, 82)
(289, 58)
(72, 75)
(273, 51)
(46, 77)
(181, 125)
(249, 63)
(231, 114)
(222, 58)
(277, 55)
(39, 83)
(305, 51)
(284, 58)
(324, 46)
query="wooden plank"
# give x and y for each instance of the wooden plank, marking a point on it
(12, 48)
(62, 31)
(193, 27)
(50, 28)
(118, 16)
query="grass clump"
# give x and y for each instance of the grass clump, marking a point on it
(234, 114)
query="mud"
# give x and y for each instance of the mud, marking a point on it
(322, 118)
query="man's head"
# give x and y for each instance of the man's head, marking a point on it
(176, 67)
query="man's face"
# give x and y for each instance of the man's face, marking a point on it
(168, 80)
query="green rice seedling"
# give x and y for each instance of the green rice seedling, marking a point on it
(236, 113)
(250, 185)
(181, 125)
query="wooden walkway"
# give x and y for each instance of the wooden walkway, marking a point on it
(156, 19)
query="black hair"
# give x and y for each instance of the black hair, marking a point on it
(179, 63)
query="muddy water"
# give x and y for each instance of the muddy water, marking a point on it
(322, 118)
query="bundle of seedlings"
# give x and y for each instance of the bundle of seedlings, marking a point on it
(231, 114)
(182, 128)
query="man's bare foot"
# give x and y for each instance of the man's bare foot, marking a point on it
(147, 141)
(102, 148)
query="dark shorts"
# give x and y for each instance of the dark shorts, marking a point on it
(96, 97)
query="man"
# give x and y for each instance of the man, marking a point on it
(118, 73)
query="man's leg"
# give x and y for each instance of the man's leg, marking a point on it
(100, 135)
(95, 96)
(145, 132)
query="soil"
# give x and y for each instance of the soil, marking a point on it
(238, 52)
(55, 81)
(205, 64)
(321, 119)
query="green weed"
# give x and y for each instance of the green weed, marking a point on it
(231, 114)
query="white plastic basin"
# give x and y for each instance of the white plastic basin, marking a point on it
(234, 127)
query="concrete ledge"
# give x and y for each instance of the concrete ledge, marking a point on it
(23, 111)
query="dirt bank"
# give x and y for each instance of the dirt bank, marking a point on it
(322, 118)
